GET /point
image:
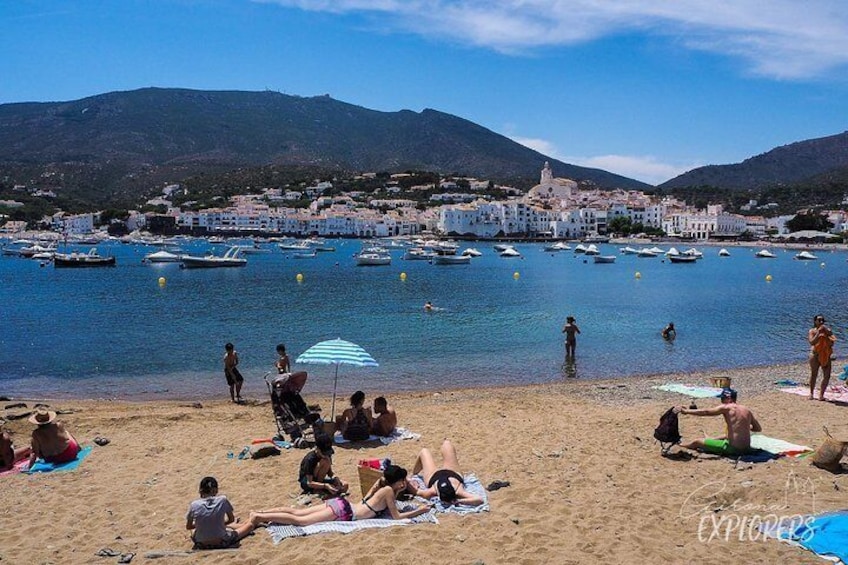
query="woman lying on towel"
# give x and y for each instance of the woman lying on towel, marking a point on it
(447, 482)
(380, 498)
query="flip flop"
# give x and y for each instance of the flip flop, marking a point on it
(126, 557)
(107, 552)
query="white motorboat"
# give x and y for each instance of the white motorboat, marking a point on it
(692, 252)
(500, 247)
(510, 252)
(604, 258)
(681, 258)
(558, 246)
(723, 252)
(254, 249)
(452, 260)
(232, 258)
(472, 252)
(162, 257)
(580, 248)
(305, 254)
(657, 250)
(646, 253)
(30, 251)
(628, 250)
(765, 254)
(806, 256)
(372, 259)
(295, 246)
(672, 251)
(592, 250)
(417, 254)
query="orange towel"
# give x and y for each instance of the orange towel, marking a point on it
(824, 349)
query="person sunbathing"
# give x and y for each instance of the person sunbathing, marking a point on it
(386, 421)
(380, 498)
(9, 454)
(50, 440)
(446, 482)
(740, 422)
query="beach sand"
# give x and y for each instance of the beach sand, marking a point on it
(588, 483)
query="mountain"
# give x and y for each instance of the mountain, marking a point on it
(112, 140)
(811, 161)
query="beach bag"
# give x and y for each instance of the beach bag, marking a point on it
(668, 430)
(357, 429)
(829, 453)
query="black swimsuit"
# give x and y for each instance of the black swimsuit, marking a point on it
(445, 474)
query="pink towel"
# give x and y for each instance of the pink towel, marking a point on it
(19, 466)
(835, 393)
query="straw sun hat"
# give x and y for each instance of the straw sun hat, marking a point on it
(42, 416)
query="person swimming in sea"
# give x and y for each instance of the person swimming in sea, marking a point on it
(669, 333)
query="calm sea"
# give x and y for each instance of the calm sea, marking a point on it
(117, 332)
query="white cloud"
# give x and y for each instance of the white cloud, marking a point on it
(784, 39)
(645, 168)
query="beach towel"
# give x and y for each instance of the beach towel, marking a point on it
(778, 446)
(279, 532)
(472, 485)
(398, 435)
(18, 467)
(42, 466)
(824, 535)
(834, 393)
(690, 390)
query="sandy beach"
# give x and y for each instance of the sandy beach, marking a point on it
(587, 482)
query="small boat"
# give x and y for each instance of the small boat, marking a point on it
(692, 252)
(558, 246)
(44, 256)
(580, 248)
(723, 252)
(657, 250)
(325, 249)
(471, 252)
(452, 260)
(604, 258)
(510, 252)
(765, 254)
(806, 256)
(232, 258)
(162, 257)
(672, 251)
(372, 259)
(592, 250)
(628, 251)
(502, 246)
(646, 253)
(417, 254)
(253, 249)
(30, 251)
(305, 254)
(90, 259)
(682, 258)
(295, 246)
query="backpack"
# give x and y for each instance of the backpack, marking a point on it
(668, 430)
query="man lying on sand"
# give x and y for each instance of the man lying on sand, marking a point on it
(740, 423)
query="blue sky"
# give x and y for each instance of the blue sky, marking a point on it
(643, 88)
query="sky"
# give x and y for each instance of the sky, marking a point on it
(644, 88)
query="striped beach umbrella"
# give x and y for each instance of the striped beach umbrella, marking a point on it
(336, 352)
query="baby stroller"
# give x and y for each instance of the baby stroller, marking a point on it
(291, 414)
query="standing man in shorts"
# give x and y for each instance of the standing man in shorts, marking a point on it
(740, 423)
(231, 372)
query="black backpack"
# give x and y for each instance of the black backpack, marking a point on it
(668, 431)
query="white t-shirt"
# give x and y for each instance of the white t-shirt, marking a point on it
(209, 515)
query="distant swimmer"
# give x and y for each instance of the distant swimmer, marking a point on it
(669, 333)
(428, 306)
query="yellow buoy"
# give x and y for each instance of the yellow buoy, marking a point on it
(299, 277)
(403, 276)
(162, 281)
(768, 278)
(515, 275)
(638, 275)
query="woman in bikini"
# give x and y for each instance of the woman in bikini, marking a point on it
(379, 499)
(355, 422)
(821, 349)
(445, 482)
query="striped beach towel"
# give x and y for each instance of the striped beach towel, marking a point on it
(472, 485)
(690, 390)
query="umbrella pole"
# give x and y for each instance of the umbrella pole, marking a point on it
(335, 384)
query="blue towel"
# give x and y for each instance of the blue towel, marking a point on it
(756, 456)
(786, 382)
(824, 535)
(42, 466)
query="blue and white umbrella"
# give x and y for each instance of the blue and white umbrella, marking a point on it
(336, 352)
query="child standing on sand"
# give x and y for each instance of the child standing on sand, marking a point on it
(231, 372)
(209, 515)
